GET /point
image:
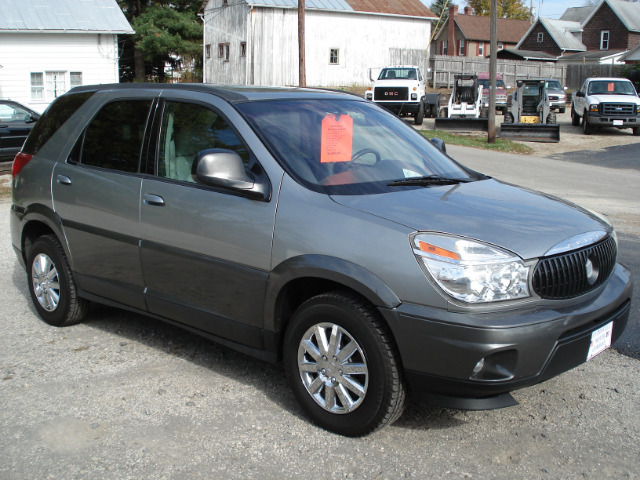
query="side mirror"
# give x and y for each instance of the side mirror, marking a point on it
(579, 94)
(30, 118)
(224, 168)
(439, 144)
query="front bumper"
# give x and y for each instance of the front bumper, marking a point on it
(401, 108)
(596, 119)
(440, 349)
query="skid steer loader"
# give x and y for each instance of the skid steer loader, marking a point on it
(529, 117)
(464, 110)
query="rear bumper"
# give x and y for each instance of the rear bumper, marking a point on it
(440, 350)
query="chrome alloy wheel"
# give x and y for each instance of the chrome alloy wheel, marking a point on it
(333, 368)
(46, 283)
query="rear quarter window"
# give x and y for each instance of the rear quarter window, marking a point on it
(56, 115)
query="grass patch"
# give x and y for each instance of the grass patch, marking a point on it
(478, 140)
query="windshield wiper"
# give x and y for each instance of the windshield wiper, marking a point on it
(428, 180)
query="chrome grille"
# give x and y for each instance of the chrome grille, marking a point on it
(574, 273)
(392, 94)
(618, 109)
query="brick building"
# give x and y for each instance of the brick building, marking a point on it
(469, 35)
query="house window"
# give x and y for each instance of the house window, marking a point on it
(55, 84)
(443, 47)
(540, 37)
(75, 79)
(481, 49)
(604, 40)
(334, 56)
(461, 49)
(243, 49)
(223, 51)
(500, 46)
(207, 50)
(37, 86)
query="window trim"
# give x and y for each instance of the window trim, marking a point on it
(332, 56)
(207, 50)
(462, 44)
(540, 38)
(243, 49)
(604, 43)
(480, 50)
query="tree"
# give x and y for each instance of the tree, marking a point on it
(506, 8)
(168, 32)
(439, 7)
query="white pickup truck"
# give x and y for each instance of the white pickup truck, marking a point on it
(606, 102)
(400, 89)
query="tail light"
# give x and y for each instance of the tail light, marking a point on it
(19, 162)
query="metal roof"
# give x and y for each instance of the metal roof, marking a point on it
(63, 16)
(577, 14)
(627, 12)
(562, 33)
(412, 8)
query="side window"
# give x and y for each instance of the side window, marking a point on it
(11, 113)
(113, 139)
(188, 129)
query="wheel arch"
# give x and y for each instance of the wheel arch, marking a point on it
(39, 220)
(300, 278)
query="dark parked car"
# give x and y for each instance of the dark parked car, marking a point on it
(315, 228)
(16, 121)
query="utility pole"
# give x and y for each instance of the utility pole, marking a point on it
(493, 63)
(302, 76)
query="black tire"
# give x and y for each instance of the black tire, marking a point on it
(575, 118)
(636, 131)
(508, 117)
(551, 118)
(51, 284)
(562, 109)
(587, 129)
(374, 362)
(420, 115)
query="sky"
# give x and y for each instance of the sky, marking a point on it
(552, 8)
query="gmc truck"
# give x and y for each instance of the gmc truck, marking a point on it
(401, 90)
(606, 102)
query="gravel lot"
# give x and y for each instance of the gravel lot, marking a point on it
(125, 397)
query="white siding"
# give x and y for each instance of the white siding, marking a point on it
(364, 41)
(95, 55)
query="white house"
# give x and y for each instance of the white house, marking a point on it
(256, 42)
(47, 47)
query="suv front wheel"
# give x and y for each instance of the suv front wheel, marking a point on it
(343, 365)
(51, 284)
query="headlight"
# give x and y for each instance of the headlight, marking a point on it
(414, 96)
(369, 95)
(638, 109)
(471, 271)
(593, 108)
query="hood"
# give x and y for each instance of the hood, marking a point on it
(614, 99)
(524, 222)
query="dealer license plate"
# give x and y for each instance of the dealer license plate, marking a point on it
(617, 123)
(600, 340)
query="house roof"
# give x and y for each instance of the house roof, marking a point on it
(562, 33)
(512, 53)
(627, 12)
(409, 8)
(578, 14)
(476, 27)
(631, 55)
(63, 16)
(591, 55)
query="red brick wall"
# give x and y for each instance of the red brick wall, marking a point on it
(548, 45)
(605, 19)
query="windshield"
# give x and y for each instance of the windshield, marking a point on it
(611, 87)
(485, 84)
(553, 85)
(398, 73)
(346, 147)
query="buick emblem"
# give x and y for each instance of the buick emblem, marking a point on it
(592, 273)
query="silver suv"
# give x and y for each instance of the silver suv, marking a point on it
(314, 228)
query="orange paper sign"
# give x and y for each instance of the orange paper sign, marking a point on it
(611, 86)
(337, 138)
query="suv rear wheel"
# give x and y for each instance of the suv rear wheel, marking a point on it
(343, 365)
(51, 284)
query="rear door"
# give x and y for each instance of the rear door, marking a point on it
(15, 125)
(206, 252)
(96, 193)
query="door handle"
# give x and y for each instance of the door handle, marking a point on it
(153, 200)
(63, 180)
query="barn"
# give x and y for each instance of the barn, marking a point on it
(256, 42)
